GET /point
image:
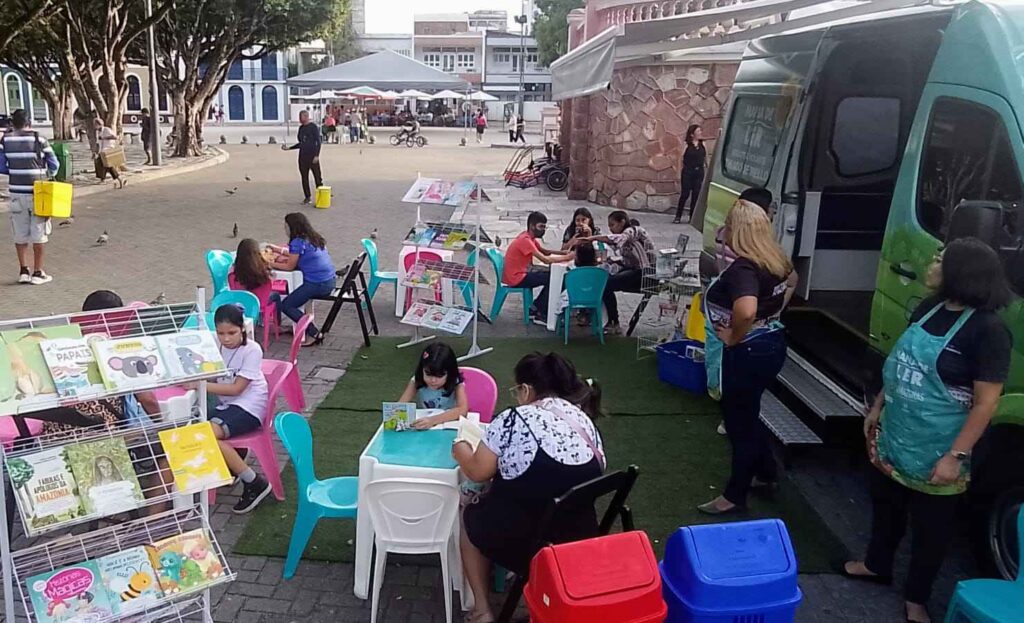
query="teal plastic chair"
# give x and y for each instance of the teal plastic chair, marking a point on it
(334, 498)
(501, 291)
(377, 276)
(585, 287)
(192, 322)
(250, 303)
(991, 601)
(219, 262)
(468, 287)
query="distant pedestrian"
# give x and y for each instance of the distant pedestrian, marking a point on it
(213, 113)
(356, 125)
(481, 125)
(26, 157)
(309, 153)
(511, 127)
(694, 157)
(106, 140)
(330, 128)
(146, 134)
(220, 115)
(520, 128)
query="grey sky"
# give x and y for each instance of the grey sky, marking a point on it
(395, 16)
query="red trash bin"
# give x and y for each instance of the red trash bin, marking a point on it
(609, 579)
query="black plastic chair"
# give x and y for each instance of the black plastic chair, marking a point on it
(352, 289)
(618, 484)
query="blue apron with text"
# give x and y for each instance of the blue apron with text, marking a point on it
(921, 418)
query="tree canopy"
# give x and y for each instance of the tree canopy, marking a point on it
(551, 28)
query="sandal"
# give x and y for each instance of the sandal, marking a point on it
(317, 341)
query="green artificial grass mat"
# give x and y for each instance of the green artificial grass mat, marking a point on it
(683, 461)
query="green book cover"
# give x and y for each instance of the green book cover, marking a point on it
(106, 479)
(28, 370)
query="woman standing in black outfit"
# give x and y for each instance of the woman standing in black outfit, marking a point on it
(694, 158)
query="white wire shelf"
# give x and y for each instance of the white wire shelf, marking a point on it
(72, 550)
(148, 457)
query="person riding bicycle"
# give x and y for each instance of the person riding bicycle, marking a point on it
(410, 129)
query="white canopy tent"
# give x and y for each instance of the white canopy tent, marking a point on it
(480, 96)
(447, 94)
(413, 93)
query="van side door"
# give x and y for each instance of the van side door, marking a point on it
(965, 145)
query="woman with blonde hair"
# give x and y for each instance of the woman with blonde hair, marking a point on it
(746, 346)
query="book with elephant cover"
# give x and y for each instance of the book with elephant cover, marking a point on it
(194, 457)
(189, 353)
(185, 562)
(106, 478)
(29, 378)
(130, 579)
(44, 487)
(130, 363)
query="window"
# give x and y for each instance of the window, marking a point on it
(12, 88)
(448, 63)
(236, 104)
(531, 58)
(270, 104)
(134, 94)
(40, 111)
(235, 71)
(753, 137)
(503, 55)
(967, 156)
(432, 60)
(466, 62)
(865, 135)
(268, 69)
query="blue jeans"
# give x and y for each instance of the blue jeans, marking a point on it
(300, 296)
(537, 279)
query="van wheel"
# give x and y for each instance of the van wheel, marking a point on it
(1002, 538)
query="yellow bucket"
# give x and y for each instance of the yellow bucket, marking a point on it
(323, 197)
(695, 320)
(51, 199)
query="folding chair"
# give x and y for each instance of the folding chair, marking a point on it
(351, 290)
(619, 483)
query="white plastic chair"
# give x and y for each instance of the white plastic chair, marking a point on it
(412, 516)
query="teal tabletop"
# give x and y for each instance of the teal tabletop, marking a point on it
(428, 448)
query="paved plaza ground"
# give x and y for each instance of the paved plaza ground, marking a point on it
(159, 232)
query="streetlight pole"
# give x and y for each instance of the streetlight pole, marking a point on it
(156, 157)
(521, 19)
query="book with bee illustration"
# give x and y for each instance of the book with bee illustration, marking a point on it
(194, 457)
(130, 579)
(29, 379)
(185, 562)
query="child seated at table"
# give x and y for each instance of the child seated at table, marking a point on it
(437, 384)
(242, 396)
(252, 273)
(586, 255)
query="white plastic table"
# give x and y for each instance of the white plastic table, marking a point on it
(292, 277)
(555, 292)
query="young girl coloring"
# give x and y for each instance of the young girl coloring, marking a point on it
(437, 384)
(242, 400)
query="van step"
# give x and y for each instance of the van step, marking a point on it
(824, 398)
(786, 426)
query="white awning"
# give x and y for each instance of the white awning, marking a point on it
(587, 69)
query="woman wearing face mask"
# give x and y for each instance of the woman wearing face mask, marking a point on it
(535, 452)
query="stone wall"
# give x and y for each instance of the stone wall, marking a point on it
(626, 143)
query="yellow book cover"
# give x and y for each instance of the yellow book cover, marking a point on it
(194, 457)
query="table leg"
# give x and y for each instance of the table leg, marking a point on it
(555, 294)
(364, 533)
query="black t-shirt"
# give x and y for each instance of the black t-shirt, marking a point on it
(980, 351)
(694, 156)
(745, 278)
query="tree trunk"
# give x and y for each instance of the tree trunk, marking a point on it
(60, 106)
(188, 127)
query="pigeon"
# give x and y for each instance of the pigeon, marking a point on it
(373, 234)
(248, 179)
(234, 231)
(104, 238)
(68, 222)
(232, 191)
(497, 240)
(160, 299)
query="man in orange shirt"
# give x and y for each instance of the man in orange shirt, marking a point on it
(519, 257)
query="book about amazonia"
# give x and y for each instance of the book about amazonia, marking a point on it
(73, 594)
(194, 457)
(130, 362)
(130, 579)
(185, 562)
(106, 479)
(24, 375)
(189, 353)
(44, 487)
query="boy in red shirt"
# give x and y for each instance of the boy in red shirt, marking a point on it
(520, 255)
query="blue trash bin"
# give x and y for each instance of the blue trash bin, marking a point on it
(722, 573)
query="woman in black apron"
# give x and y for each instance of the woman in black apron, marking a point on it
(694, 157)
(534, 452)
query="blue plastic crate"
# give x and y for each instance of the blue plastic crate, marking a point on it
(681, 363)
(743, 572)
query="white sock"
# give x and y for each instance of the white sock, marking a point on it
(248, 475)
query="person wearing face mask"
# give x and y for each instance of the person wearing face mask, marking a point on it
(518, 259)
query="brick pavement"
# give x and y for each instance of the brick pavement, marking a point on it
(158, 236)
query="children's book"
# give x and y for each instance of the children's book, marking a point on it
(470, 432)
(426, 237)
(28, 377)
(185, 562)
(189, 353)
(455, 320)
(399, 416)
(73, 594)
(106, 479)
(45, 488)
(416, 313)
(194, 457)
(417, 190)
(130, 579)
(435, 317)
(72, 367)
(130, 362)
(421, 277)
(456, 240)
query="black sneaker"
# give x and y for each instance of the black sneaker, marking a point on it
(305, 201)
(252, 494)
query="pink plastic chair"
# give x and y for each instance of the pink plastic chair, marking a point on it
(409, 261)
(293, 394)
(137, 305)
(481, 392)
(261, 442)
(9, 430)
(268, 309)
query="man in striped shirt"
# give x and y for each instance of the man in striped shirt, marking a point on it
(26, 157)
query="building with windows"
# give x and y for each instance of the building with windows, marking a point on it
(18, 93)
(488, 20)
(446, 42)
(506, 52)
(255, 91)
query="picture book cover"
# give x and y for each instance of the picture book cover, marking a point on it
(29, 376)
(44, 487)
(470, 432)
(72, 367)
(130, 362)
(421, 277)
(106, 479)
(456, 240)
(427, 237)
(456, 321)
(416, 313)
(189, 353)
(399, 416)
(130, 579)
(185, 562)
(194, 457)
(73, 594)
(435, 317)
(418, 190)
